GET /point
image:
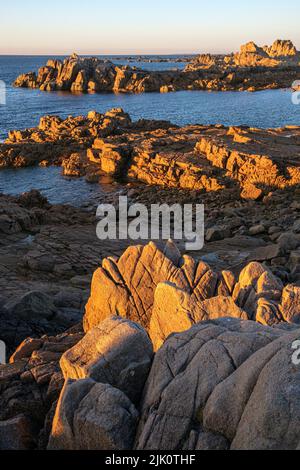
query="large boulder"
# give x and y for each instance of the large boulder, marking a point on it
(133, 287)
(191, 367)
(127, 286)
(258, 406)
(290, 306)
(175, 310)
(259, 292)
(93, 416)
(117, 352)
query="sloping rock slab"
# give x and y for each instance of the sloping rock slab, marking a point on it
(179, 409)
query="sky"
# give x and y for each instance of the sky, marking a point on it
(61, 27)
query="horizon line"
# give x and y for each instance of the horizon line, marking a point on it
(109, 53)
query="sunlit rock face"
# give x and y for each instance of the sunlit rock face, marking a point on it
(168, 293)
(282, 48)
(89, 75)
(280, 53)
(222, 385)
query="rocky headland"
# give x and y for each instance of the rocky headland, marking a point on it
(253, 68)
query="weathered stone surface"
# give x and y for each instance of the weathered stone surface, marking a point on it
(117, 352)
(201, 384)
(93, 416)
(16, 434)
(251, 408)
(173, 297)
(29, 386)
(126, 287)
(175, 310)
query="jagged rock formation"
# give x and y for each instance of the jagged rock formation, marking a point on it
(281, 48)
(48, 253)
(78, 74)
(196, 157)
(168, 293)
(204, 72)
(282, 53)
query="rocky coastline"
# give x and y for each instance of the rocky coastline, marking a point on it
(253, 68)
(119, 346)
(247, 160)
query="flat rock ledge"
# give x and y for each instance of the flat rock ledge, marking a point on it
(174, 357)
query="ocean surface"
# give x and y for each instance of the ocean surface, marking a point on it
(24, 107)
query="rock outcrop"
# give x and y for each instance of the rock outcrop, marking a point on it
(198, 158)
(168, 293)
(218, 379)
(117, 342)
(281, 53)
(248, 69)
(93, 416)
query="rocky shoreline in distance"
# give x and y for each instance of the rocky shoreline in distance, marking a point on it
(253, 68)
(248, 161)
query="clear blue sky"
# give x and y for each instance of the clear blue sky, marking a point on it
(139, 26)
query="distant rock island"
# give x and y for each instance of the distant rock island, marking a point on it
(253, 68)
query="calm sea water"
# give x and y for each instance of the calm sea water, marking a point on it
(272, 108)
(57, 188)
